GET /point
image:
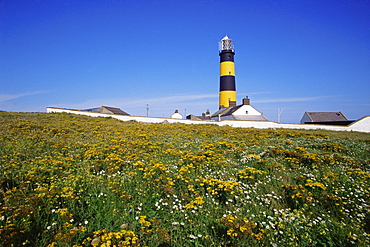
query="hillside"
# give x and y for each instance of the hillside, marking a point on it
(69, 180)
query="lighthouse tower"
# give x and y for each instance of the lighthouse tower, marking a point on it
(227, 73)
(228, 110)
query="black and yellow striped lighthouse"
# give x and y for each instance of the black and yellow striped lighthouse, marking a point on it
(227, 73)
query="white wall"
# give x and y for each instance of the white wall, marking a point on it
(244, 108)
(362, 125)
(305, 118)
(176, 115)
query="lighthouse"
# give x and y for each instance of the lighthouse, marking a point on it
(228, 110)
(227, 97)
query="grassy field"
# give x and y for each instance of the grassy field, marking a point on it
(69, 180)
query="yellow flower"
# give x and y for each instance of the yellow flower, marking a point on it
(232, 233)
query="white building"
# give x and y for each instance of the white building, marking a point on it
(239, 112)
(176, 115)
(324, 117)
(108, 110)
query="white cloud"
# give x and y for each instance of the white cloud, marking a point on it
(6, 97)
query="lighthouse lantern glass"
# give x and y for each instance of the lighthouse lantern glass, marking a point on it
(226, 44)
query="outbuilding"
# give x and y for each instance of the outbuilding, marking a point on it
(239, 112)
(328, 118)
(108, 110)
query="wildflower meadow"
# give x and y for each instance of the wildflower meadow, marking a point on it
(69, 180)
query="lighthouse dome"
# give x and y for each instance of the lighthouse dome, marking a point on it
(226, 44)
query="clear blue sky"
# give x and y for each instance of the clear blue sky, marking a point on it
(294, 55)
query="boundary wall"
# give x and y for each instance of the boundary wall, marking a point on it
(361, 125)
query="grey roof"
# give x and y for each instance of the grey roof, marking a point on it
(203, 117)
(115, 110)
(326, 116)
(108, 110)
(226, 111)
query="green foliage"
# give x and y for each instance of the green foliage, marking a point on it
(68, 180)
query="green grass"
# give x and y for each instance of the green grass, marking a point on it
(69, 180)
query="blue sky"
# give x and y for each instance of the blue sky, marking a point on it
(293, 55)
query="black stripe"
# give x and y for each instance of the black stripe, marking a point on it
(227, 83)
(226, 56)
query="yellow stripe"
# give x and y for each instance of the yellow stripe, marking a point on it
(227, 68)
(225, 96)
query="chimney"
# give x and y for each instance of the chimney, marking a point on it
(232, 103)
(246, 101)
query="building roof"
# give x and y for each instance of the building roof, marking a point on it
(115, 110)
(203, 117)
(228, 111)
(326, 116)
(108, 110)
